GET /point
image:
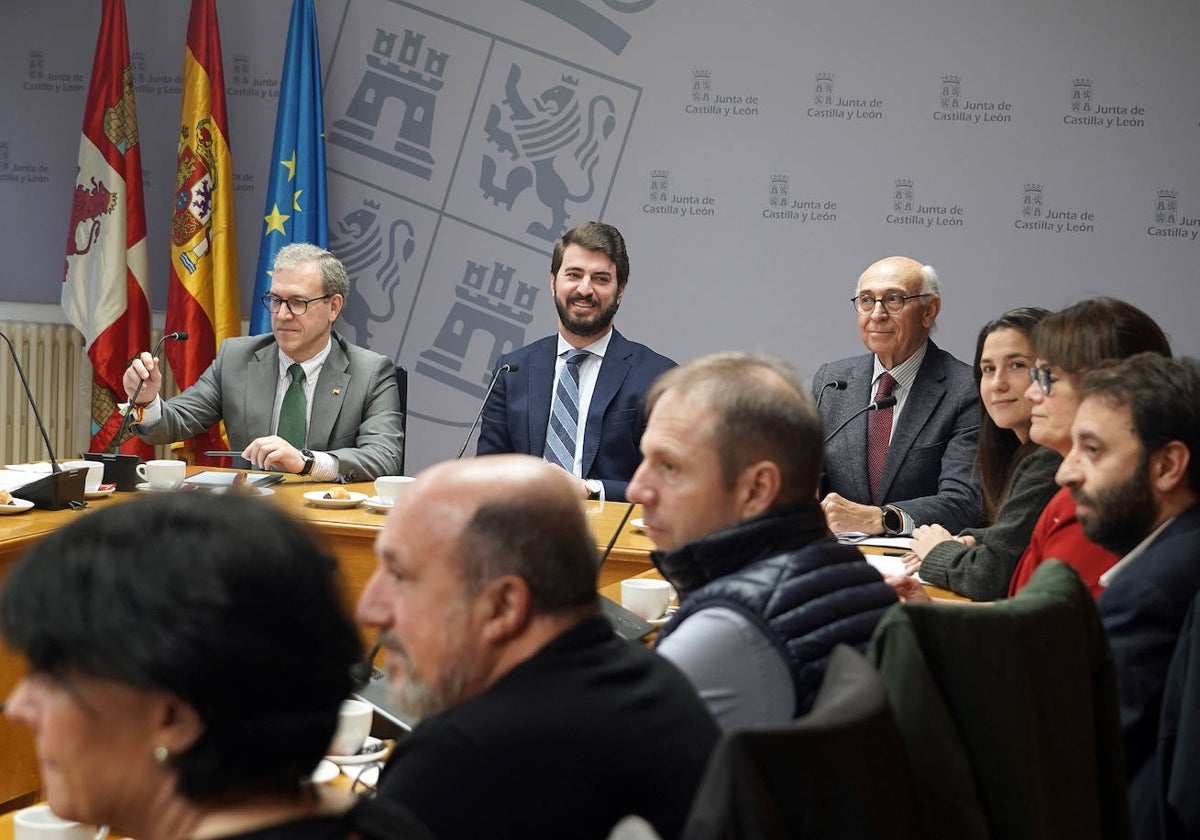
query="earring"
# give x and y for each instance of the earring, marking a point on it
(161, 754)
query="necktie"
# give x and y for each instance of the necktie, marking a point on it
(564, 414)
(293, 412)
(879, 434)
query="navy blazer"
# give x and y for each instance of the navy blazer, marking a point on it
(1143, 613)
(928, 470)
(517, 413)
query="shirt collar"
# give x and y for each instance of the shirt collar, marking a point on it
(1136, 552)
(596, 348)
(311, 366)
(904, 373)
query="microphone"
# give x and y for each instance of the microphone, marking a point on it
(884, 402)
(116, 441)
(835, 384)
(509, 368)
(360, 672)
(59, 489)
(625, 623)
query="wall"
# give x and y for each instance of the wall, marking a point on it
(757, 156)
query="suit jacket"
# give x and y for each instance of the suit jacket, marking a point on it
(1143, 613)
(517, 413)
(355, 413)
(928, 469)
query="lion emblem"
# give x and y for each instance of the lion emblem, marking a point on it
(87, 207)
(540, 136)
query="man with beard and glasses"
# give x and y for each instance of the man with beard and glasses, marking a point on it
(1134, 473)
(533, 718)
(576, 398)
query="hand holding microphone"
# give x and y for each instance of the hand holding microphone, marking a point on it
(143, 372)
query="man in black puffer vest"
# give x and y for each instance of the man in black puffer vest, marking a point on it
(731, 464)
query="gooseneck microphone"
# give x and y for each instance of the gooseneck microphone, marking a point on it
(116, 441)
(883, 402)
(835, 384)
(507, 368)
(360, 671)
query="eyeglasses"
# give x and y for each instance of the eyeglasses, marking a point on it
(297, 306)
(892, 302)
(1041, 375)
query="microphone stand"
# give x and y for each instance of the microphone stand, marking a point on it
(509, 368)
(59, 489)
(884, 402)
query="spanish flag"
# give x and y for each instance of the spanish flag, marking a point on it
(106, 284)
(203, 291)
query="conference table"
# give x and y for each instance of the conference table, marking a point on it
(348, 533)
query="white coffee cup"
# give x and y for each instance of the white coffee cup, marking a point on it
(40, 823)
(647, 597)
(163, 474)
(354, 725)
(389, 487)
(95, 473)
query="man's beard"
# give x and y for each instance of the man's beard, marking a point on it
(1121, 516)
(417, 699)
(589, 325)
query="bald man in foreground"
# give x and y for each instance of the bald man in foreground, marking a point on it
(535, 720)
(907, 464)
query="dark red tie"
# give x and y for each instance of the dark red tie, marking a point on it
(879, 433)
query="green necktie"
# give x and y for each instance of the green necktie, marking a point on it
(293, 413)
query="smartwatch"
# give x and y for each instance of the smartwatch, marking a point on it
(893, 521)
(310, 461)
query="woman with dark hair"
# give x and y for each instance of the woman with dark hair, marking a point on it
(1069, 343)
(188, 655)
(1016, 474)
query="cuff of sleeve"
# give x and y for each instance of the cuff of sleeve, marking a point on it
(325, 467)
(151, 413)
(935, 568)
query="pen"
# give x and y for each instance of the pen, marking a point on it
(220, 453)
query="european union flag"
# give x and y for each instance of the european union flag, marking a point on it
(295, 209)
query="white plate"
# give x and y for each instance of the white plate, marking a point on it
(325, 771)
(373, 750)
(317, 497)
(377, 504)
(638, 524)
(17, 506)
(262, 491)
(99, 494)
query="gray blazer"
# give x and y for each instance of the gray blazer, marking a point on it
(355, 414)
(928, 470)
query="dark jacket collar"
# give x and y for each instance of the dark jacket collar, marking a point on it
(723, 552)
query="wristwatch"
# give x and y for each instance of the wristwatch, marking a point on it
(893, 521)
(310, 461)
(593, 487)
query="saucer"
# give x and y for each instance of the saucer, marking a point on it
(638, 524)
(377, 504)
(17, 506)
(325, 771)
(99, 494)
(373, 750)
(145, 485)
(317, 497)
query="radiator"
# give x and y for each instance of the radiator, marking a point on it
(60, 377)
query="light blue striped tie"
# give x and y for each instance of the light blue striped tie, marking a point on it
(564, 414)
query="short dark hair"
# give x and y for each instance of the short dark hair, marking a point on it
(759, 412)
(226, 603)
(1000, 450)
(1163, 398)
(1083, 335)
(595, 236)
(545, 542)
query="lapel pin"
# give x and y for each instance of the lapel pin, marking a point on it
(337, 391)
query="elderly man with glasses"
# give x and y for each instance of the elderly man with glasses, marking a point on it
(302, 399)
(906, 462)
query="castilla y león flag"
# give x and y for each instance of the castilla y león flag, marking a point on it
(106, 276)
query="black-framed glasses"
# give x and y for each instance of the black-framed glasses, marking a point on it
(1041, 375)
(893, 302)
(297, 306)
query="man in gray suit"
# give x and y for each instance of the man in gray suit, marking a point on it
(908, 464)
(301, 400)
